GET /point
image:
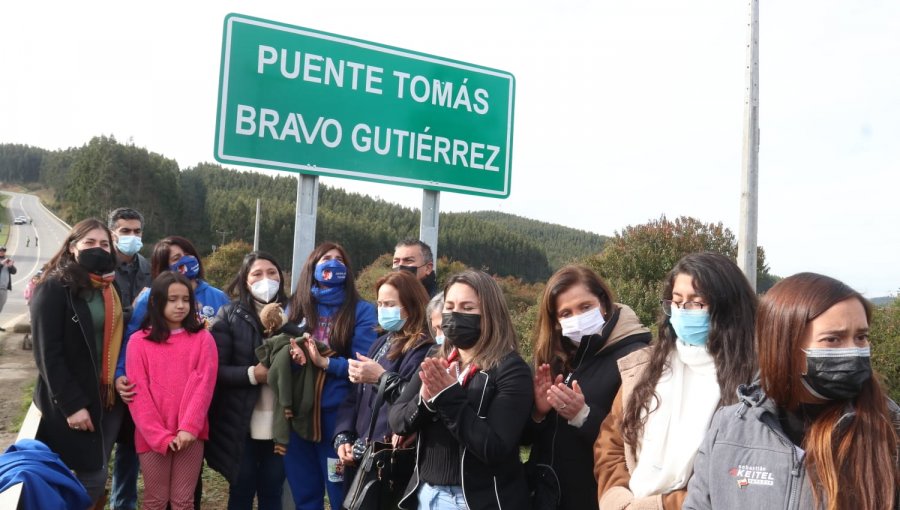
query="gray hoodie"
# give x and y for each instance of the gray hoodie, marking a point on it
(747, 461)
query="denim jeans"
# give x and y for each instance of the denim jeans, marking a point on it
(125, 477)
(441, 497)
(95, 481)
(261, 474)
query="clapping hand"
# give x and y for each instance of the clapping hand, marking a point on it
(543, 381)
(567, 401)
(436, 375)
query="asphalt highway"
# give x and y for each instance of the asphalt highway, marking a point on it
(30, 246)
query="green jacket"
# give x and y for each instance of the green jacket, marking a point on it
(297, 388)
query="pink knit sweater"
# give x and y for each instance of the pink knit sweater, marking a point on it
(174, 382)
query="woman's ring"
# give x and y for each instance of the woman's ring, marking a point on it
(562, 407)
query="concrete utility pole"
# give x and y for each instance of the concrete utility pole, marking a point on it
(747, 240)
(256, 229)
(224, 233)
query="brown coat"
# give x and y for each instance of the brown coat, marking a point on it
(614, 460)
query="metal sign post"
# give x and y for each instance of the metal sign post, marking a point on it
(428, 223)
(304, 224)
(300, 100)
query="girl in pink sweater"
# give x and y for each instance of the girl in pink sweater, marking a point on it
(173, 361)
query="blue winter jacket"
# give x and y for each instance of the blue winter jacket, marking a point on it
(46, 482)
(337, 381)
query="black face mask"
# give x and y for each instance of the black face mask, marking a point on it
(462, 330)
(837, 374)
(96, 260)
(429, 282)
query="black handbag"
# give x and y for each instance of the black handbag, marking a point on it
(383, 471)
(543, 484)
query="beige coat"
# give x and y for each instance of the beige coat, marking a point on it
(614, 460)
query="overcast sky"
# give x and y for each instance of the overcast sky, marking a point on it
(624, 111)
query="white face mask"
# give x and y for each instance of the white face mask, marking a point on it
(585, 324)
(265, 290)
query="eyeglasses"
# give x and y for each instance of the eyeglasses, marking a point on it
(687, 305)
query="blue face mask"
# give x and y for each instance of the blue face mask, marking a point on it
(389, 318)
(439, 339)
(331, 273)
(129, 245)
(187, 265)
(691, 326)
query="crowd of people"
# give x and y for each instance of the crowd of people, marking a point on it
(735, 402)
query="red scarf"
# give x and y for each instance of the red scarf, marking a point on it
(112, 336)
(470, 370)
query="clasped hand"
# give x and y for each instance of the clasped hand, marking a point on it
(436, 375)
(364, 371)
(182, 440)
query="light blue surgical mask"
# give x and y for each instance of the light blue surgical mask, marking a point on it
(129, 245)
(439, 339)
(691, 326)
(389, 318)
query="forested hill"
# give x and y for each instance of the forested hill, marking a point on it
(207, 203)
(561, 244)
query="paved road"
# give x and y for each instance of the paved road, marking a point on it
(30, 246)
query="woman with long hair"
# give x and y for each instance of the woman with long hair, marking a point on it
(394, 358)
(817, 430)
(240, 445)
(468, 404)
(580, 334)
(328, 305)
(76, 321)
(644, 454)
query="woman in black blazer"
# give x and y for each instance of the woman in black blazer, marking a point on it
(468, 405)
(76, 320)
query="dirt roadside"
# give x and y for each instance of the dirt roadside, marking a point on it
(17, 372)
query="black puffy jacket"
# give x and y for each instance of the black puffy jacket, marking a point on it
(238, 333)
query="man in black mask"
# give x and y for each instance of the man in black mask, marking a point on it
(416, 257)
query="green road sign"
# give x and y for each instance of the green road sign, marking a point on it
(305, 101)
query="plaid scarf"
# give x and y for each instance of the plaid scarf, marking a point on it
(112, 336)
